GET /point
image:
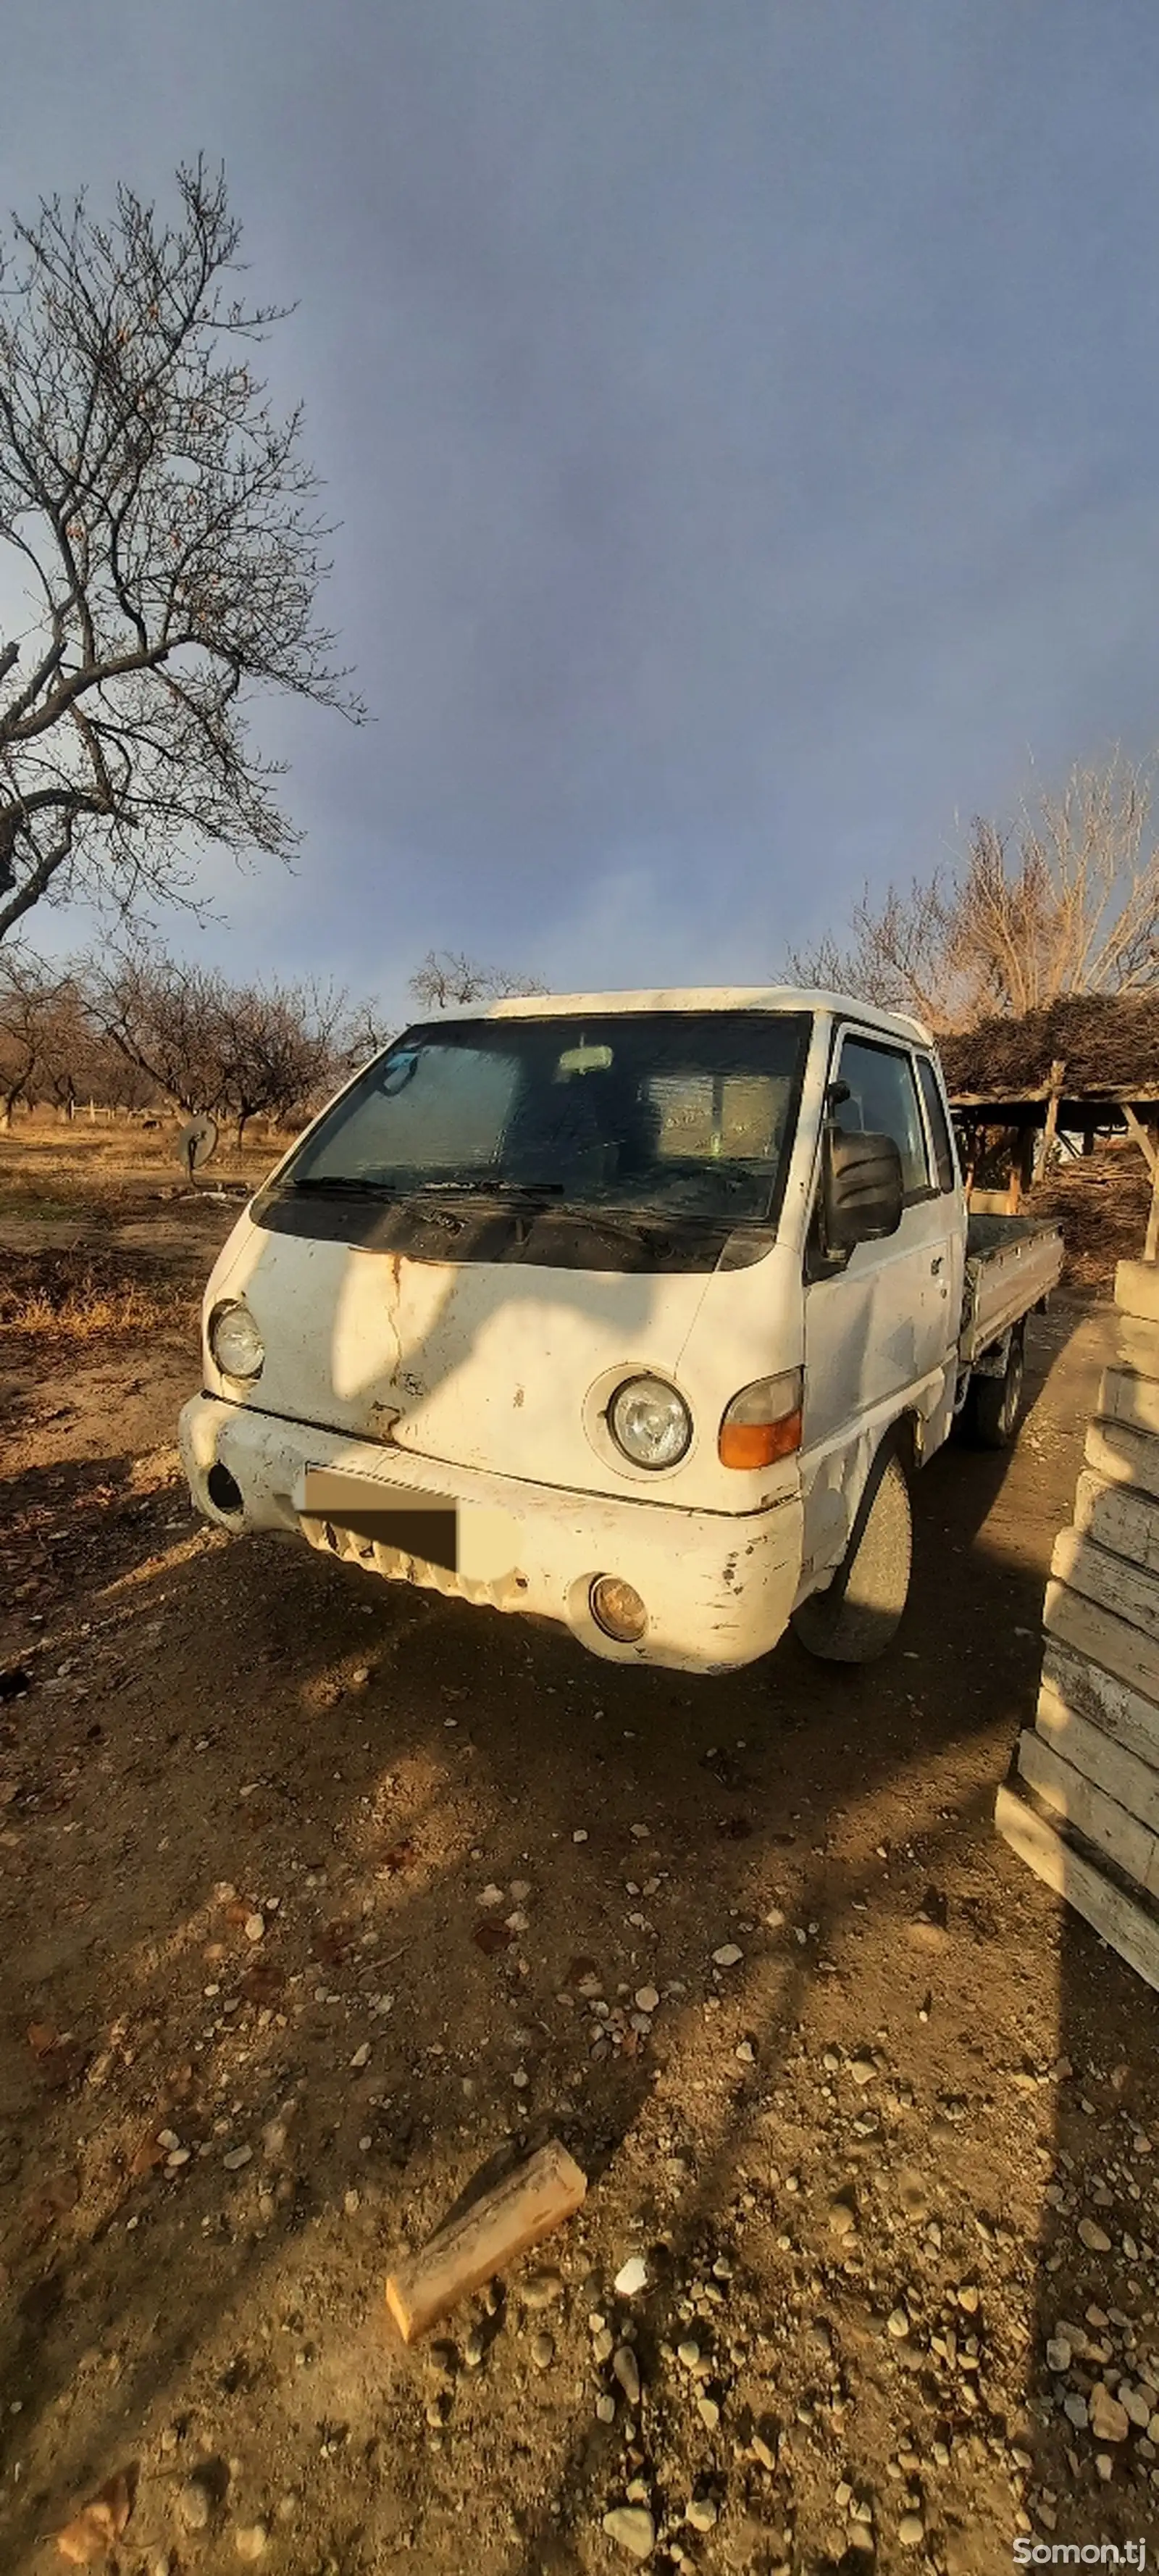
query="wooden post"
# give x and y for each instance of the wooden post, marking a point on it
(1057, 1075)
(1150, 1154)
(1021, 1169)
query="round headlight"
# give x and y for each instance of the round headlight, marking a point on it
(235, 1342)
(650, 1422)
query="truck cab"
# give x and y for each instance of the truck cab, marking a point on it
(637, 1311)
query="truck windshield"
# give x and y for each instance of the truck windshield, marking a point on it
(682, 1113)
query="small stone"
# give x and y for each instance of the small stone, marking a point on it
(237, 2157)
(701, 2513)
(688, 2352)
(255, 1927)
(646, 1999)
(1110, 2422)
(627, 2370)
(1074, 2407)
(580, 1835)
(746, 2052)
(709, 2413)
(897, 2324)
(250, 2539)
(490, 1895)
(774, 1918)
(475, 2348)
(1105, 2466)
(911, 2530)
(632, 2277)
(541, 2289)
(1094, 2237)
(632, 2528)
(179, 2157)
(1058, 2353)
(764, 2449)
(194, 2504)
(728, 1956)
(842, 2218)
(969, 2298)
(1137, 2404)
(520, 1890)
(605, 2407)
(351, 2202)
(168, 2139)
(603, 2344)
(542, 2351)
(863, 2070)
(361, 2055)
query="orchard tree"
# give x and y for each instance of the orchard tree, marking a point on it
(159, 521)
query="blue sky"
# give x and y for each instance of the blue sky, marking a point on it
(742, 422)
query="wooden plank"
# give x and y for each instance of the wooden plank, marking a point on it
(1123, 1397)
(1116, 1645)
(1085, 1690)
(1137, 1289)
(1132, 1784)
(1115, 1584)
(1135, 1128)
(1137, 1345)
(470, 2249)
(1130, 1923)
(1099, 1817)
(1123, 1457)
(1117, 1518)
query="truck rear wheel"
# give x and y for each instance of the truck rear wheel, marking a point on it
(993, 1404)
(855, 1618)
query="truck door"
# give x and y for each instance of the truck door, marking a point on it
(880, 1330)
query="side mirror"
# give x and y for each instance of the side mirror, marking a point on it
(862, 1190)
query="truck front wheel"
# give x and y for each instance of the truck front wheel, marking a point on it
(855, 1618)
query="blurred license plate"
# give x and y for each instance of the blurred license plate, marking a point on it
(464, 1538)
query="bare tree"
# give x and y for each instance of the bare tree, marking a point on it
(446, 977)
(237, 1051)
(28, 992)
(163, 519)
(1065, 901)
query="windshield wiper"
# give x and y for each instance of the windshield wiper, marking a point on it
(339, 1185)
(480, 1186)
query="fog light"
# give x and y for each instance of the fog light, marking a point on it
(617, 1609)
(223, 1489)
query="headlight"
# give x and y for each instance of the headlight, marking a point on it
(235, 1342)
(650, 1422)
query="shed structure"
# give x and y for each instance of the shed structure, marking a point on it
(1024, 1091)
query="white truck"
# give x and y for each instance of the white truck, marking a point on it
(634, 1311)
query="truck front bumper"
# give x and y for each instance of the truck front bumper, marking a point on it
(717, 1587)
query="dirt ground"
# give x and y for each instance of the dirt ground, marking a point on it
(311, 1904)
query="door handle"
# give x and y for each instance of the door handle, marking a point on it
(935, 1265)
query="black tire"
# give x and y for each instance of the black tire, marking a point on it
(993, 1404)
(860, 1612)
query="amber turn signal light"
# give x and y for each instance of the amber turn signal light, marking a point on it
(763, 1422)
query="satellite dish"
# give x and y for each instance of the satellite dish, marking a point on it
(197, 1144)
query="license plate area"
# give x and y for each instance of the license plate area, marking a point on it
(418, 1524)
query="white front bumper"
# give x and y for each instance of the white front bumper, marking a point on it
(718, 1587)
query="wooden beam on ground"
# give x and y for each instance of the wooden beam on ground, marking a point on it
(1119, 1647)
(1124, 1457)
(1072, 1684)
(1133, 1785)
(1137, 1289)
(471, 2249)
(1110, 1581)
(1099, 1817)
(1058, 1855)
(1132, 1400)
(1127, 1523)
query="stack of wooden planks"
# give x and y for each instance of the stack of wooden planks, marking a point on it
(1083, 1807)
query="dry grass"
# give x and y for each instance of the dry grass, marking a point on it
(87, 1296)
